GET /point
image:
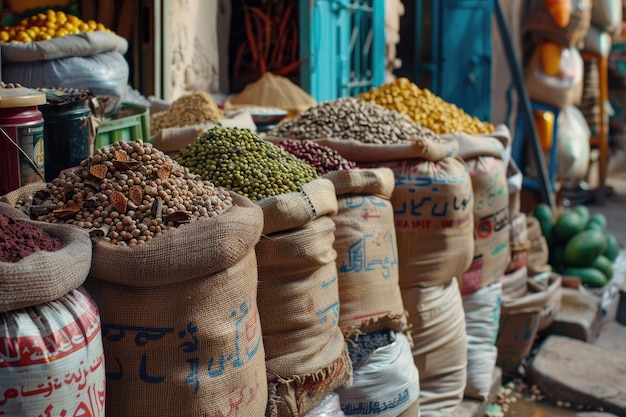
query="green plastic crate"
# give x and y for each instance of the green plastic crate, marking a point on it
(130, 122)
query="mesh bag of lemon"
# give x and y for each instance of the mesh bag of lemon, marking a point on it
(54, 49)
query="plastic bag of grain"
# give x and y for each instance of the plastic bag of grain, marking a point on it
(55, 358)
(51, 331)
(439, 345)
(298, 296)
(367, 252)
(482, 317)
(385, 382)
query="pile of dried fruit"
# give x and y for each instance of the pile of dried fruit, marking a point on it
(48, 25)
(425, 108)
(239, 160)
(322, 158)
(188, 110)
(350, 118)
(19, 239)
(127, 193)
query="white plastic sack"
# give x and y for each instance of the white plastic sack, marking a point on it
(573, 148)
(329, 407)
(75, 45)
(104, 74)
(482, 320)
(385, 385)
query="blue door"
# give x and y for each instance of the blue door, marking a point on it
(343, 45)
(465, 55)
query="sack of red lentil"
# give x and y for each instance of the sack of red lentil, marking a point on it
(181, 327)
(52, 358)
(298, 296)
(39, 262)
(439, 346)
(367, 251)
(433, 202)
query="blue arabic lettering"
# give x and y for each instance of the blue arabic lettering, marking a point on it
(189, 346)
(192, 377)
(143, 372)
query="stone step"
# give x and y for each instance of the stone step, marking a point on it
(570, 370)
(580, 315)
(612, 336)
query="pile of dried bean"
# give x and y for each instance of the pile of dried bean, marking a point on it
(188, 110)
(128, 193)
(239, 160)
(322, 158)
(19, 239)
(351, 118)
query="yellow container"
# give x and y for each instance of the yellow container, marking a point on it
(544, 121)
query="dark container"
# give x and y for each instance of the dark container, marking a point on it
(67, 129)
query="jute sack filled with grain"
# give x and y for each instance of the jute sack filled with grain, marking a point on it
(491, 223)
(43, 275)
(298, 298)
(367, 251)
(180, 322)
(439, 345)
(432, 204)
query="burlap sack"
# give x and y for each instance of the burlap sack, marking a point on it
(519, 324)
(496, 144)
(433, 203)
(306, 356)
(45, 276)
(542, 25)
(52, 359)
(439, 346)
(514, 283)
(430, 149)
(367, 251)
(491, 223)
(181, 328)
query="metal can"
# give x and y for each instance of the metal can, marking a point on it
(21, 138)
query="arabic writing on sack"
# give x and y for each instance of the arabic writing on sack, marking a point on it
(29, 350)
(360, 260)
(375, 407)
(329, 314)
(442, 206)
(245, 345)
(493, 223)
(496, 192)
(77, 394)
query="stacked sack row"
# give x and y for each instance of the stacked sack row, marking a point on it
(531, 293)
(351, 260)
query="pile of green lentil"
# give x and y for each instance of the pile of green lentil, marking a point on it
(240, 161)
(127, 193)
